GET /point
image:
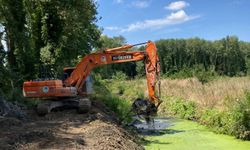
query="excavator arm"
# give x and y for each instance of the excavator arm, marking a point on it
(91, 61)
(119, 55)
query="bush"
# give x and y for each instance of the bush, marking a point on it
(235, 121)
(183, 109)
(182, 74)
(197, 71)
(214, 119)
(121, 90)
(203, 75)
(242, 126)
(119, 75)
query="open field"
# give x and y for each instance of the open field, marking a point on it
(213, 94)
(210, 95)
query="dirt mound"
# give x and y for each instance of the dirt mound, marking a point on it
(108, 136)
(8, 122)
(8, 109)
(67, 130)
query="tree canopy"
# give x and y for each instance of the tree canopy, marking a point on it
(45, 33)
(225, 57)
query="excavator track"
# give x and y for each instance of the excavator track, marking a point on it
(82, 105)
(43, 108)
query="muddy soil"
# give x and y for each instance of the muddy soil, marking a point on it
(67, 129)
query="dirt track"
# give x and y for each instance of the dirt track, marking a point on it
(66, 130)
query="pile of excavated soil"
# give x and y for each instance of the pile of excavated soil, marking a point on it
(66, 129)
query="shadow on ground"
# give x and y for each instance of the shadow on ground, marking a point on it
(149, 142)
(158, 127)
(158, 132)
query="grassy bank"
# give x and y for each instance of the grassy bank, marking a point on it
(113, 101)
(222, 104)
(233, 121)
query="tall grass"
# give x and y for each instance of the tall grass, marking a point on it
(115, 103)
(213, 94)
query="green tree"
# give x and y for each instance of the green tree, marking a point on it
(12, 20)
(50, 32)
(225, 56)
(61, 31)
(107, 71)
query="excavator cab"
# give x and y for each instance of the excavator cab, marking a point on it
(67, 72)
(87, 88)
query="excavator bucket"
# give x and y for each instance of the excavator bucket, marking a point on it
(144, 108)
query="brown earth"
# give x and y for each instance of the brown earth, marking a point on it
(66, 129)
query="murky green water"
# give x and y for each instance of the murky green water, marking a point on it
(188, 135)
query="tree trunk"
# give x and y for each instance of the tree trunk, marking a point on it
(10, 48)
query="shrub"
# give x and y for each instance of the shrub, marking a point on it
(197, 71)
(183, 109)
(121, 90)
(182, 74)
(235, 121)
(119, 75)
(242, 126)
(203, 75)
(216, 120)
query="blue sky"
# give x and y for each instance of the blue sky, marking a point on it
(142, 20)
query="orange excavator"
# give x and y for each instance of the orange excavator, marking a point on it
(71, 91)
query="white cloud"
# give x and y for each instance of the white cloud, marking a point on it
(178, 5)
(174, 18)
(113, 28)
(177, 17)
(118, 1)
(141, 3)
